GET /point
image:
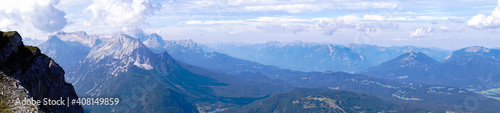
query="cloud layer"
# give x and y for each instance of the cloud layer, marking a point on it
(481, 21)
(421, 32)
(129, 15)
(28, 14)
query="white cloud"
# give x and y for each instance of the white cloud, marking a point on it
(213, 22)
(366, 27)
(419, 18)
(481, 21)
(349, 19)
(421, 32)
(329, 27)
(295, 25)
(369, 5)
(300, 6)
(374, 17)
(276, 6)
(279, 19)
(287, 24)
(129, 15)
(233, 33)
(455, 20)
(444, 28)
(248, 2)
(258, 20)
(31, 15)
(290, 8)
(447, 29)
(292, 27)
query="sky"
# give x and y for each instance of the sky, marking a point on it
(447, 24)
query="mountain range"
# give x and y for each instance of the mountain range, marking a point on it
(184, 78)
(311, 56)
(358, 83)
(470, 68)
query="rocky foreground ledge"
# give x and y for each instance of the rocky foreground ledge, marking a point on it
(27, 74)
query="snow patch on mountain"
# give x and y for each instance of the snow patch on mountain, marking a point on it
(121, 52)
(119, 47)
(79, 37)
(143, 66)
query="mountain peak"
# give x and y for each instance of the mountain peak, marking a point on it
(11, 38)
(412, 55)
(155, 35)
(413, 65)
(54, 38)
(412, 59)
(119, 47)
(154, 41)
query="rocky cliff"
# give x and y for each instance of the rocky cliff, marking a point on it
(26, 72)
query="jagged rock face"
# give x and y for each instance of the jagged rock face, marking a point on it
(36, 72)
(10, 90)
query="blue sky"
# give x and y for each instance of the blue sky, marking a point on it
(448, 24)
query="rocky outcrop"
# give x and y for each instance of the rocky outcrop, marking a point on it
(37, 74)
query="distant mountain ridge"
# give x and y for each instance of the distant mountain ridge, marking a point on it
(475, 51)
(469, 67)
(380, 54)
(476, 66)
(311, 56)
(60, 51)
(69, 48)
(298, 55)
